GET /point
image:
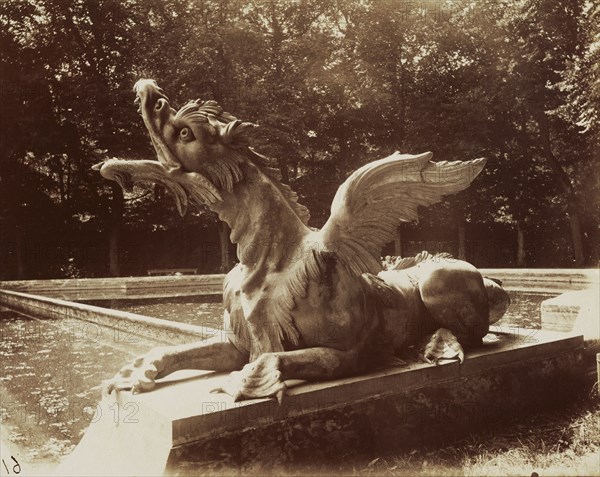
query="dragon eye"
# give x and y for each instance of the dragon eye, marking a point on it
(186, 135)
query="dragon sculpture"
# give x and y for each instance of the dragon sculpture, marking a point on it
(303, 303)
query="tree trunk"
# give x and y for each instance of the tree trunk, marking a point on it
(116, 220)
(113, 251)
(576, 236)
(226, 262)
(19, 253)
(566, 186)
(462, 242)
(398, 243)
(521, 258)
(283, 168)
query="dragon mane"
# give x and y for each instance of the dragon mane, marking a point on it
(229, 169)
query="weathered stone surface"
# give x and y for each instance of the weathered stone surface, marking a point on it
(124, 287)
(434, 414)
(550, 280)
(576, 311)
(390, 408)
(125, 324)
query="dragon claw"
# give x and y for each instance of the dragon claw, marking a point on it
(259, 379)
(443, 345)
(139, 375)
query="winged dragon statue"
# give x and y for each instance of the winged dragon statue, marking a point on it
(303, 303)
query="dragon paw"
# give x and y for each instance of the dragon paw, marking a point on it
(138, 375)
(443, 345)
(258, 379)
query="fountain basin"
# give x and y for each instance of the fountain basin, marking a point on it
(457, 395)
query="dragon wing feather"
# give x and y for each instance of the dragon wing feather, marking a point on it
(376, 198)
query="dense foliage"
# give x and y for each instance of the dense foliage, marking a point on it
(332, 85)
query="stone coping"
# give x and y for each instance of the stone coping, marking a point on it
(545, 280)
(135, 434)
(570, 275)
(124, 323)
(577, 311)
(121, 287)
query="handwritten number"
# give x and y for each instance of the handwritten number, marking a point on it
(16, 468)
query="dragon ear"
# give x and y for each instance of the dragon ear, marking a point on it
(214, 126)
(210, 107)
(230, 130)
(234, 133)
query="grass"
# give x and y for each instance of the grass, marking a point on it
(562, 440)
(557, 442)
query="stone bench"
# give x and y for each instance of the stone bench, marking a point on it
(173, 271)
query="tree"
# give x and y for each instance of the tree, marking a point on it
(332, 86)
(548, 37)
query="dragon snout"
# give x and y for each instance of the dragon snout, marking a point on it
(160, 105)
(151, 101)
(156, 113)
(103, 168)
(149, 93)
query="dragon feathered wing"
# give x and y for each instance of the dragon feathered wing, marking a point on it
(375, 199)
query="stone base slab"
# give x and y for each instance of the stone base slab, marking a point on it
(396, 407)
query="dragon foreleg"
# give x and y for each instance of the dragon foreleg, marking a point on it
(266, 375)
(210, 355)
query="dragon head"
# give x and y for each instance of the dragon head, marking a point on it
(202, 151)
(200, 137)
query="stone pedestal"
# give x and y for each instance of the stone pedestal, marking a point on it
(181, 428)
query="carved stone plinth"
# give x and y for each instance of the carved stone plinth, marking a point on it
(194, 431)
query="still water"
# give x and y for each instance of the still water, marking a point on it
(51, 370)
(194, 310)
(523, 312)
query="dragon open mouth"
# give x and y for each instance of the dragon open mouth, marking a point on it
(187, 187)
